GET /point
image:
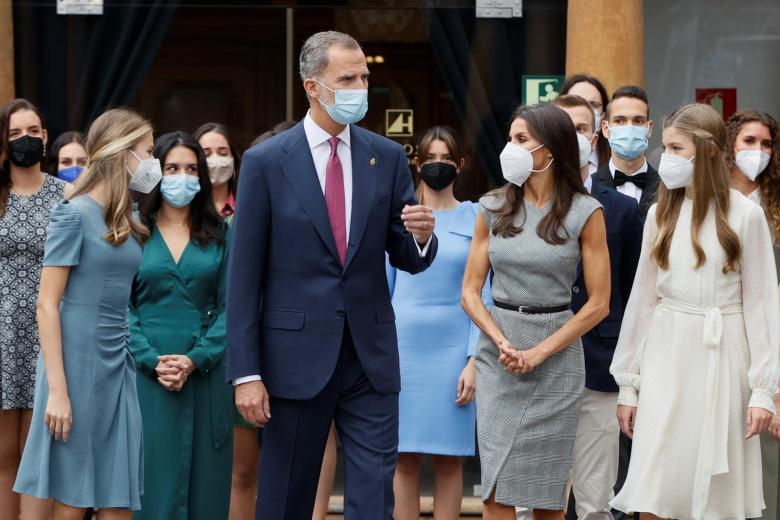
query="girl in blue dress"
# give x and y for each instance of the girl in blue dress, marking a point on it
(85, 444)
(436, 342)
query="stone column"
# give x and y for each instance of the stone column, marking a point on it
(6, 52)
(605, 38)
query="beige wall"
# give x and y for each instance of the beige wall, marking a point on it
(605, 38)
(6, 52)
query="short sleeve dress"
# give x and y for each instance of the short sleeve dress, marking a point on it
(526, 422)
(22, 235)
(101, 464)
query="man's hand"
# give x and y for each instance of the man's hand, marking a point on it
(419, 221)
(253, 403)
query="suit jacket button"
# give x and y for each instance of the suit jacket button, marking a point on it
(575, 289)
(340, 313)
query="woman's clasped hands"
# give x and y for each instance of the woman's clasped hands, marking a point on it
(173, 370)
(519, 361)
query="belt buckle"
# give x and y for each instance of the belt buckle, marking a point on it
(521, 308)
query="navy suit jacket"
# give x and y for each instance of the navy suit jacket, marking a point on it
(624, 240)
(289, 298)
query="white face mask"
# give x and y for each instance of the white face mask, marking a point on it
(752, 162)
(585, 149)
(517, 163)
(221, 169)
(675, 171)
(146, 175)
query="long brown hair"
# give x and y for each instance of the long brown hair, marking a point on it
(444, 134)
(552, 127)
(110, 136)
(769, 179)
(6, 112)
(710, 186)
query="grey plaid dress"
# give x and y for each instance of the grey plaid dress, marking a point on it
(526, 423)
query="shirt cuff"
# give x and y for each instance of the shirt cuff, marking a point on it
(762, 399)
(246, 379)
(628, 396)
(423, 250)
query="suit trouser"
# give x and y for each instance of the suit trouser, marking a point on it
(294, 443)
(594, 458)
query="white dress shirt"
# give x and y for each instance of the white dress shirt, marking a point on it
(629, 188)
(319, 144)
(588, 184)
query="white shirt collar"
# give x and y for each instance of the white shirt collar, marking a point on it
(315, 135)
(588, 184)
(641, 169)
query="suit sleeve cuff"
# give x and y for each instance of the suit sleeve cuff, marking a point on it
(628, 396)
(246, 379)
(424, 249)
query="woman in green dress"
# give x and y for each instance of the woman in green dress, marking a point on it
(177, 331)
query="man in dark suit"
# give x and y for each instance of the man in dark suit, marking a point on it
(596, 444)
(628, 128)
(311, 329)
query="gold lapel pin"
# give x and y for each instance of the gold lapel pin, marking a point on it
(372, 162)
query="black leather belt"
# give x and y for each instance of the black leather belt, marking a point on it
(525, 309)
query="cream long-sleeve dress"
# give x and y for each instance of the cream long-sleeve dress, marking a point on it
(696, 349)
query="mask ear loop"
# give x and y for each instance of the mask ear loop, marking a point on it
(548, 164)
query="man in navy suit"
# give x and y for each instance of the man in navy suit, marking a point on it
(311, 329)
(596, 444)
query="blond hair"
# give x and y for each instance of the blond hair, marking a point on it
(110, 136)
(710, 186)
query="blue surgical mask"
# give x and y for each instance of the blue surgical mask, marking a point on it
(628, 141)
(350, 105)
(179, 190)
(70, 174)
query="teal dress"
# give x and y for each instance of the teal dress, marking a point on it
(101, 464)
(180, 309)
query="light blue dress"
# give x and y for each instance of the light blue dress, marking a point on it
(435, 339)
(101, 464)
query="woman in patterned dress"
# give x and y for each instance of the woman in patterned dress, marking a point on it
(532, 234)
(27, 196)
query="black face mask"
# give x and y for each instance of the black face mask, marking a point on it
(26, 151)
(438, 175)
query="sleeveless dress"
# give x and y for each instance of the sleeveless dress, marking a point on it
(697, 348)
(22, 235)
(101, 464)
(526, 422)
(435, 339)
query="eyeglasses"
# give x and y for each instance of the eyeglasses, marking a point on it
(596, 106)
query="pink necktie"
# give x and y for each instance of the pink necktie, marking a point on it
(334, 198)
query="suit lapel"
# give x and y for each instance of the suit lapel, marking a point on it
(364, 172)
(650, 193)
(604, 177)
(298, 168)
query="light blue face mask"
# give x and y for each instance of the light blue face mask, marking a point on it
(179, 190)
(628, 141)
(350, 106)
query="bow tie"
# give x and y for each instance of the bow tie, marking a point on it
(638, 179)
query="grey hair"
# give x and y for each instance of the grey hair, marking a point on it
(314, 54)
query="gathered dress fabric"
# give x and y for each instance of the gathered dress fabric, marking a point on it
(697, 348)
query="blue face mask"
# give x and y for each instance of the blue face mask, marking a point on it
(628, 141)
(179, 190)
(70, 174)
(350, 106)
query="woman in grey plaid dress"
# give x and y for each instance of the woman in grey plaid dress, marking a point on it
(530, 369)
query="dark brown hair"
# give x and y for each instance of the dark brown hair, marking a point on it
(221, 129)
(630, 91)
(64, 139)
(574, 101)
(603, 151)
(552, 127)
(444, 134)
(710, 187)
(769, 179)
(6, 112)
